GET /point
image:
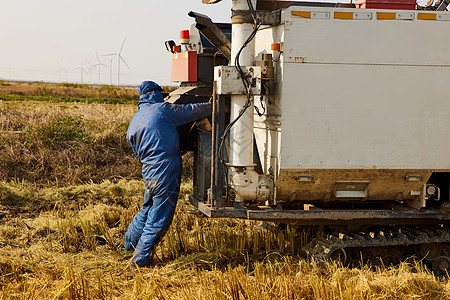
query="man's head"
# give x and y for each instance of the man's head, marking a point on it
(149, 92)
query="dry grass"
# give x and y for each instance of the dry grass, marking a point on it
(73, 250)
(62, 239)
(65, 92)
(70, 92)
(64, 143)
(69, 143)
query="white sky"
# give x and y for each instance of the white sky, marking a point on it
(37, 35)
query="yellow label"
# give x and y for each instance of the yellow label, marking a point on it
(343, 15)
(303, 14)
(423, 16)
(386, 16)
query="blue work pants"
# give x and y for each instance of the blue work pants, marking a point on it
(153, 220)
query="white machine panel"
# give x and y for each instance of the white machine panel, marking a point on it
(356, 117)
(229, 80)
(365, 93)
(366, 39)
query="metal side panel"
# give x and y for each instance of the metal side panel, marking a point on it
(267, 128)
(369, 36)
(360, 91)
(360, 184)
(365, 117)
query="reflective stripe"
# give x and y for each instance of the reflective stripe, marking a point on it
(343, 15)
(303, 14)
(386, 16)
(311, 14)
(424, 16)
(395, 16)
(353, 16)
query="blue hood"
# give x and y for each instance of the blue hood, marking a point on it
(151, 97)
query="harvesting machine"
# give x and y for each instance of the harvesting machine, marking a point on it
(324, 114)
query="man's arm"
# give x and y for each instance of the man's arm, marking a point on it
(185, 113)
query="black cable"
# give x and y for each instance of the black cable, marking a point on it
(246, 85)
(253, 11)
(247, 88)
(279, 57)
(222, 140)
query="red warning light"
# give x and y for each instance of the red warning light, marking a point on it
(184, 36)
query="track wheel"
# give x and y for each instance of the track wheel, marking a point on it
(441, 265)
(429, 252)
(339, 255)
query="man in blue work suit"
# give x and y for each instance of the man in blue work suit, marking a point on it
(153, 135)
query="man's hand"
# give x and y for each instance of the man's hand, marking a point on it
(205, 125)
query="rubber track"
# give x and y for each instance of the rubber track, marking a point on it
(321, 249)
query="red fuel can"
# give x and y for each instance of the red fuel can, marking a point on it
(184, 67)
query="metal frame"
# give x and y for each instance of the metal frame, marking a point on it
(328, 217)
(218, 119)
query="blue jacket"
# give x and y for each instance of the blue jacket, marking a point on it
(153, 133)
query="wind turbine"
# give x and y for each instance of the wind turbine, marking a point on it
(81, 70)
(89, 71)
(119, 58)
(60, 70)
(98, 65)
(110, 71)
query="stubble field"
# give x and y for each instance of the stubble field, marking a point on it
(70, 185)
